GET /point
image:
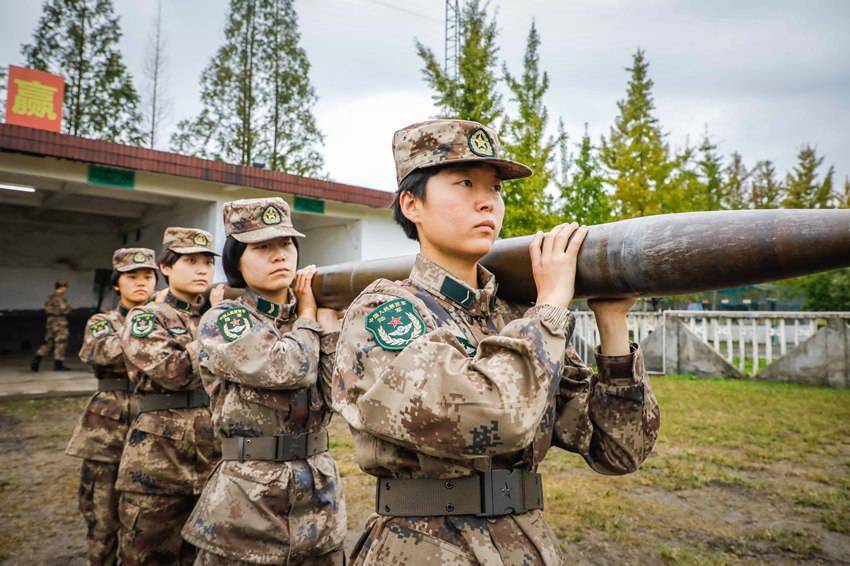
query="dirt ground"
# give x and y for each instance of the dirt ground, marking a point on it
(744, 473)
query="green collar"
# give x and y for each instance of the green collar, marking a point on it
(438, 281)
(268, 308)
(457, 292)
(178, 303)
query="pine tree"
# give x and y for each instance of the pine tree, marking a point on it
(735, 194)
(528, 208)
(766, 189)
(636, 154)
(255, 93)
(78, 39)
(473, 94)
(583, 196)
(156, 102)
(802, 187)
(710, 168)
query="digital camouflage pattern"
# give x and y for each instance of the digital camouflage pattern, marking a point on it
(267, 372)
(128, 259)
(99, 436)
(57, 308)
(187, 240)
(150, 529)
(487, 386)
(169, 453)
(98, 504)
(258, 219)
(440, 142)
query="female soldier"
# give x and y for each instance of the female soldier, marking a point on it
(100, 433)
(170, 447)
(454, 396)
(276, 496)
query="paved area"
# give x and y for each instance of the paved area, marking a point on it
(17, 381)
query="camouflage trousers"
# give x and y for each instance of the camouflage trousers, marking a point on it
(55, 338)
(206, 558)
(150, 529)
(98, 501)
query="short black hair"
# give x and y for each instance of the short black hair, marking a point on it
(232, 254)
(59, 284)
(414, 184)
(169, 257)
(113, 279)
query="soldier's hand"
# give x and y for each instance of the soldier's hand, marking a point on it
(553, 263)
(216, 294)
(302, 287)
(329, 319)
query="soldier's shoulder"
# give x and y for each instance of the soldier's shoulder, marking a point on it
(210, 318)
(382, 290)
(100, 324)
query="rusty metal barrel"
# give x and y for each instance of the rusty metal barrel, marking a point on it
(652, 256)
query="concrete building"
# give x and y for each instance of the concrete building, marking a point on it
(66, 203)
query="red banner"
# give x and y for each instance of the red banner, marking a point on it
(34, 99)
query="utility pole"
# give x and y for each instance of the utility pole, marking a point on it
(452, 35)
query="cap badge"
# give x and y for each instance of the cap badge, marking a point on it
(480, 143)
(139, 257)
(200, 240)
(271, 215)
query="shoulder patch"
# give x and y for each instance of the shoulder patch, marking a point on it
(234, 322)
(395, 324)
(100, 328)
(142, 324)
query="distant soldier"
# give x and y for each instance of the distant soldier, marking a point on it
(453, 395)
(100, 434)
(266, 360)
(170, 447)
(56, 329)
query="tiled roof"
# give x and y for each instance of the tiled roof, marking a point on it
(49, 144)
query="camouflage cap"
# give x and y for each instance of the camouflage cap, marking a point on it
(440, 142)
(128, 259)
(187, 240)
(258, 219)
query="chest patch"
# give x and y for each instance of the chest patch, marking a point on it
(142, 324)
(395, 324)
(100, 328)
(177, 331)
(234, 322)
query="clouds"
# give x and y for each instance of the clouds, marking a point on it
(764, 75)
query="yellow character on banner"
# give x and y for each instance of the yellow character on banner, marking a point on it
(34, 99)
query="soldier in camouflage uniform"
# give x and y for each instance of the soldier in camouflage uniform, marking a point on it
(453, 395)
(276, 496)
(100, 433)
(170, 447)
(57, 308)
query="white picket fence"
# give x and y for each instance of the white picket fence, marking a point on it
(749, 340)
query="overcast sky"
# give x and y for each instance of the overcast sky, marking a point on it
(764, 76)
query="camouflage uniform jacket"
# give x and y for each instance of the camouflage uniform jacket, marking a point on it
(57, 305)
(102, 429)
(482, 385)
(267, 372)
(170, 451)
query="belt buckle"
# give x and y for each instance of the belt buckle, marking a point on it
(501, 493)
(291, 447)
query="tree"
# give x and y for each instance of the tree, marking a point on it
(157, 105)
(2, 94)
(636, 154)
(845, 200)
(735, 195)
(257, 102)
(473, 94)
(78, 39)
(583, 196)
(766, 189)
(802, 187)
(827, 291)
(710, 171)
(528, 207)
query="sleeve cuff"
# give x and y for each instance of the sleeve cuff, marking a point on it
(616, 368)
(558, 317)
(307, 324)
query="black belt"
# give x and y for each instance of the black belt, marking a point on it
(485, 494)
(277, 448)
(176, 400)
(114, 384)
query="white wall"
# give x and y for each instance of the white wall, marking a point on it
(381, 237)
